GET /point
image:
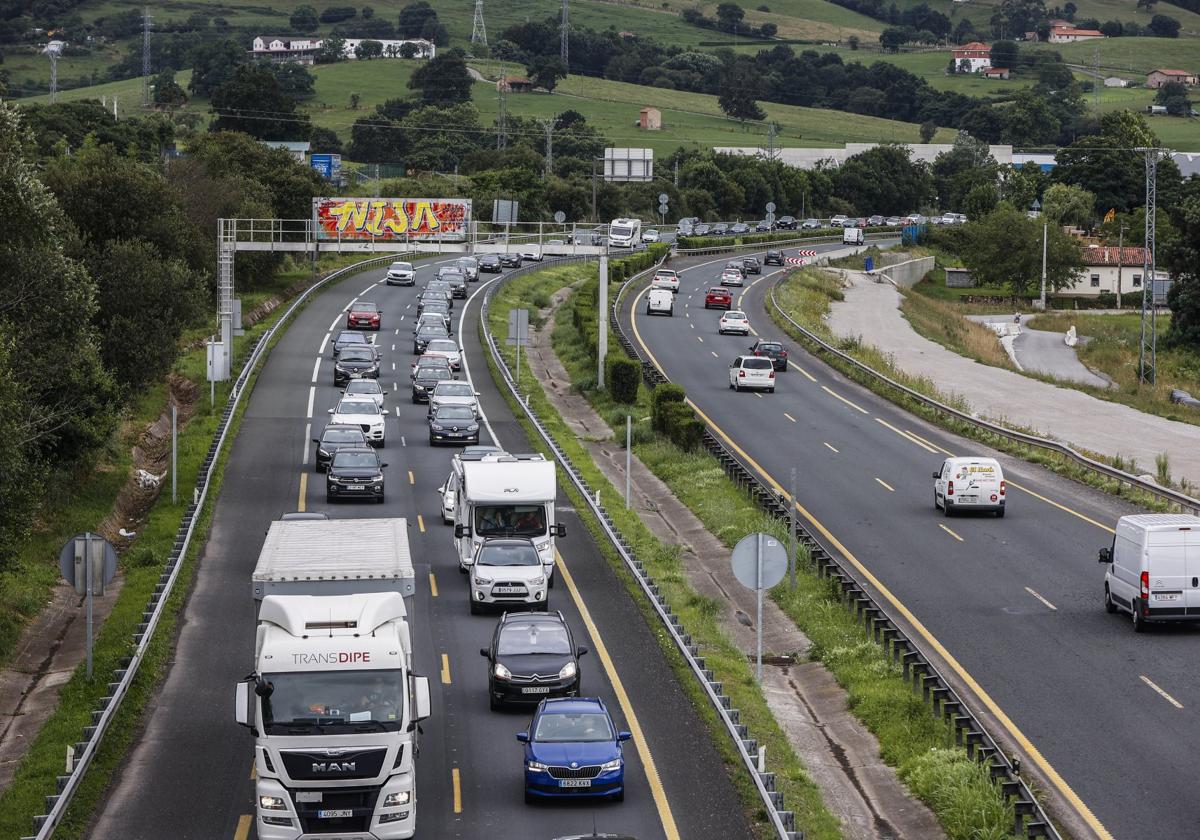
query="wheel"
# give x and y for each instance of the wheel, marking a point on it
(1139, 623)
(737, 387)
(431, 441)
(770, 390)
(936, 506)
(947, 507)
(1000, 513)
(414, 397)
(619, 796)
(462, 570)
(1109, 606)
(474, 607)
(328, 499)
(494, 704)
(529, 799)
(730, 386)
(379, 500)
(550, 582)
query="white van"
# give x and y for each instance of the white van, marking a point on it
(969, 484)
(660, 302)
(1154, 568)
(853, 236)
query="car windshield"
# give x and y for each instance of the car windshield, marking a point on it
(469, 262)
(401, 266)
(517, 520)
(452, 276)
(358, 354)
(454, 389)
(433, 372)
(364, 306)
(355, 460)
(454, 412)
(305, 702)
(534, 637)
(342, 436)
(439, 307)
(442, 346)
(735, 316)
(351, 338)
(564, 727)
(357, 407)
(509, 554)
(432, 331)
(717, 292)
(363, 386)
(757, 364)
(767, 347)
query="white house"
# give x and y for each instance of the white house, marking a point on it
(303, 50)
(1101, 265)
(978, 57)
(1069, 34)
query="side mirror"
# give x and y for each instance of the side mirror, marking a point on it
(461, 531)
(317, 441)
(581, 650)
(420, 690)
(523, 737)
(485, 652)
(262, 688)
(1106, 555)
(384, 464)
(937, 475)
(441, 490)
(243, 702)
(560, 530)
(624, 736)
(329, 411)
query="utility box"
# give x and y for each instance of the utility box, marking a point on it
(218, 361)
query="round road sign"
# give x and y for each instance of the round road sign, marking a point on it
(745, 561)
(662, 208)
(560, 216)
(770, 218)
(770, 206)
(663, 198)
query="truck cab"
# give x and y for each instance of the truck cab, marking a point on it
(333, 705)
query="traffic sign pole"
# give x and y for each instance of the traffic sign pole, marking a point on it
(87, 576)
(757, 622)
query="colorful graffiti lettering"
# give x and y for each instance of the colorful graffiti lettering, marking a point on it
(391, 218)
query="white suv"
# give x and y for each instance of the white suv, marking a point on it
(665, 278)
(507, 572)
(752, 372)
(401, 274)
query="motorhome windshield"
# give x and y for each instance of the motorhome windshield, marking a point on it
(315, 702)
(510, 520)
(621, 232)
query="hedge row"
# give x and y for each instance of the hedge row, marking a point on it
(673, 418)
(688, 242)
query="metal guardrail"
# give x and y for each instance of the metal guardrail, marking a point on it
(1185, 502)
(782, 821)
(85, 751)
(1031, 819)
(734, 245)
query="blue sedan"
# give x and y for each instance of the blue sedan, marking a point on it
(572, 749)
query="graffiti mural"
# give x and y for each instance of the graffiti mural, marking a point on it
(391, 218)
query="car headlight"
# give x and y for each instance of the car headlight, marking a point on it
(395, 800)
(542, 546)
(378, 479)
(569, 670)
(437, 428)
(535, 766)
(538, 581)
(500, 672)
(272, 803)
(474, 427)
(322, 453)
(482, 581)
(608, 766)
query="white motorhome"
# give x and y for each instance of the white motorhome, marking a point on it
(448, 492)
(624, 233)
(1154, 568)
(504, 495)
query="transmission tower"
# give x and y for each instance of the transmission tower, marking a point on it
(1097, 82)
(1148, 359)
(563, 27)
(478, 30)
(146, 58)
(502, 120)
(772, 132)
(53, 50)
(549, 126)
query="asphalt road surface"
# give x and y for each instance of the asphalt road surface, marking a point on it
(189, 774)
(1015, 604)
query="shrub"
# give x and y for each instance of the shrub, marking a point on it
(689, 433)
(664, 395)
(624, 376)
(671, 416)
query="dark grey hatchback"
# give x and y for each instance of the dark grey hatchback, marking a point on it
(532, 656)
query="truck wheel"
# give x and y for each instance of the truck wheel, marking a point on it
(936, 506)
(1109, 606)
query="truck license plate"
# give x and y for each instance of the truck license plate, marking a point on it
(535, 689)
(336, 814)
(575, 783)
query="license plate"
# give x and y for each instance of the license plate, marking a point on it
(574, 783)
(969, 499)
(510, 590)
(535, 689)
(354, 487)
(1166, 596)
(336, 814)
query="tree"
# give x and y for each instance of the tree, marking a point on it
(894, 37)
(1174, 96)
(967, 165)
(852, 42)
(1005, 249)
(434, 30)
(1182, 260)
(325, 141)
(167, 91)
(884, 179)
(367, 12)
(768, 30)
(1006, 54)
(546, 70)
(331, 51)
(213, 64)
(337, 14)
(740, 87)
(413, 18)
(1148, 5)
(294, 79)
(368, 49)
(442, 81)
(1102, 164)
(304, 19)
(1164, 26)
(729, 17)
(928, 130)
(1029, 121)
(1067, 204)
(376, 139)
(253, 102)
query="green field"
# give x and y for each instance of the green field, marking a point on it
(1132, 55)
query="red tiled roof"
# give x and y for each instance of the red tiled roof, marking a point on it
(1173, 72)
(1065, 30)
(1114, 256)
(974, 46)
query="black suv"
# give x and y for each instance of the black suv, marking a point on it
(355, 473)
(336, 436)
(510, 259)
(532, 656)
(772, 350)
(786, 223)
(490, 263)
(751, 265)
(773, 258)
(458, 283)
(355, 362)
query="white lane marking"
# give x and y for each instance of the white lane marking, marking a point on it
(333, 326)
(1040, 598)
(466, 367)
(1161, 693)
(312, 395)
(324, 341)
(369, 288)
(398, 331)
(395, 387)
(397, 412)
(393, 365)
(403, 442)
(714, 352)
(316, 368)
(307, 441)
(393, 348)
(351, 303)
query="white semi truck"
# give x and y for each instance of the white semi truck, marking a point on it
(333, 701)
(504, 495)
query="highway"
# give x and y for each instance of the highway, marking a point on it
(1106, 718)
(189, 775)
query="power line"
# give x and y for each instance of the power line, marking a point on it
(563, 39)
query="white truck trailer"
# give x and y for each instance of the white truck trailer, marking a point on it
(333, 702)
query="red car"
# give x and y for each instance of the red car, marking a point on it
(718, 298)
(363, 315)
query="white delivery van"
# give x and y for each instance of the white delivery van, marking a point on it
(853, 236)
(660, 302)
(1154, 568)
(969, 484)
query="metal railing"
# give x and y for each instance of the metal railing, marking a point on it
(1185, 502)
(85, 751)
(782, 821)
(735, 245)
(917, 668)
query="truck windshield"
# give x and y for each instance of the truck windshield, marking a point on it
(311, 702)
(510, 520)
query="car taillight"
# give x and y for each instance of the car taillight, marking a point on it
(783, 354)
(1146, 585)
(771, 375)
(741, 373)
(1003, 486)
(949, 488)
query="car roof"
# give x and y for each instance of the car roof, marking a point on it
(356, 450)
(718, 290)
(567, 705)
(363, 303)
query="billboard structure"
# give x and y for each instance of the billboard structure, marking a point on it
(390, 219)
(328, 167)
(628, 164)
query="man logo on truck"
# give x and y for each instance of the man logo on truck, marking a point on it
(333, 767)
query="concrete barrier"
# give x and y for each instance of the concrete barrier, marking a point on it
(908, 273)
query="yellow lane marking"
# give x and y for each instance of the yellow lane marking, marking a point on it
(887, 486)
(445, 669)
(457, 782)
(303, 491)
(1162, 693)
(1040, 598)
(411, 480)
(951, 533)
(243, 827)
(843, 399)
(906, 436)
(930, 443)
(921, 630)
(811, 378)
(1063, 508)
(790, 417)
(432, 585)
(639, 740)
(830, 446)
(421, 523)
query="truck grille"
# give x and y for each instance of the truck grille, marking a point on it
(589, 772)
(348, 764)
(359, 800)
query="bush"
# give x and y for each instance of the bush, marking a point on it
(623, 375)
(689, 434)
(664, 395)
